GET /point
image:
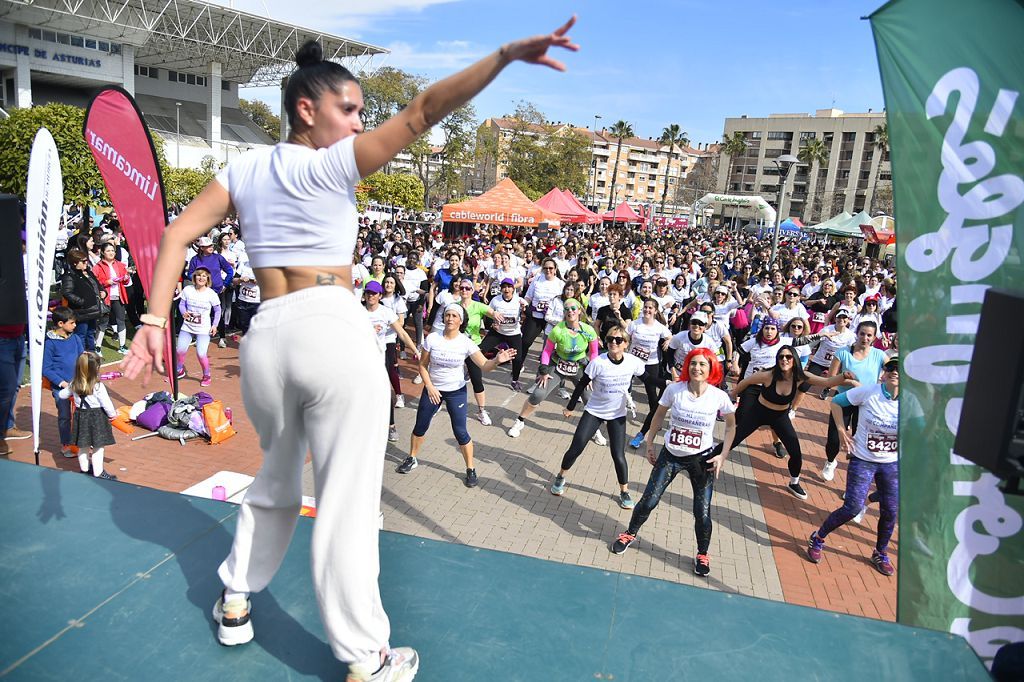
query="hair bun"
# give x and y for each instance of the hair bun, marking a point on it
(309, 54)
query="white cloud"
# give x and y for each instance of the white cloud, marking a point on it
(348, 18)
(442, 56)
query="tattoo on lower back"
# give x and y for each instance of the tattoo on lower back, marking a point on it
(326, 280)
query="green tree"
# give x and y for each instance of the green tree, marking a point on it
(734, 146)
(672, 136)
(815, 153)
(565, 159)
(386, 92)
(182, 185)
(82, 179)
(260, 114)
(620, 130)
(881, 133)
(881, 199)
(396, 189)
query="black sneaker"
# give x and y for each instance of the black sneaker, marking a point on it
(471, 478)
(622, 543)
(701, 565)
(107, 477)
(780, 452)
(798, 490)
(407, 465)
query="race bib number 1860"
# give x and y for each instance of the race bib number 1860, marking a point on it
(685, 439)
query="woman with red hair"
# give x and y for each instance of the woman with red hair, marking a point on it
(692, 404)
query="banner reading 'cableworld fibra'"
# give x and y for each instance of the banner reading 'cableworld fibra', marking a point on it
(952, 73)
(44, 197)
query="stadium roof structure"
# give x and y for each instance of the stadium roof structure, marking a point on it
(186, 35)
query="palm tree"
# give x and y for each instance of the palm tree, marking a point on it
(672, 136)
(881, 133)
(814, 153)
(734, 146)
(620, 130)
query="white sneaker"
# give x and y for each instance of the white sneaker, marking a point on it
(860, 517)
(401, 665)
(599, 438)
(516, 428)
(400, 401)
(484, 418)
(222, 344)
(564, 394)
(792, 415)
(417, 379)
(232, 631)
(828, 472)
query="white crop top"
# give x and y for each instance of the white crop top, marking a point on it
(296, 205)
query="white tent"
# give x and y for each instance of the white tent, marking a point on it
(761, 208)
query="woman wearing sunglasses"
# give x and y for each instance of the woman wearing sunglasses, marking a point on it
(874, 455)
(772, 405)
(545, 286)
(475, 314)
(571, 343)
(790, 307)
(692, 405)
(609, 376)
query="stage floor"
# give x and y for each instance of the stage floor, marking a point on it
(110, 581)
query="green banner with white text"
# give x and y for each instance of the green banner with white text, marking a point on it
(952, 72)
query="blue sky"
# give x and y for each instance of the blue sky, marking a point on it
(650, 63)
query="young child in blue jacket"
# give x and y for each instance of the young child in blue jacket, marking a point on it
(60, 352)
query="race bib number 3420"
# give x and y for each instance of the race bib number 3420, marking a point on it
(882, 444)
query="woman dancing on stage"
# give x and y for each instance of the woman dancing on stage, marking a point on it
(296, 204)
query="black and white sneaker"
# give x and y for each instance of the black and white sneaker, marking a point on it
(622, 543)
(780, 452)
(407, 465)
(107, 477)
(798, 490)
(237, 629)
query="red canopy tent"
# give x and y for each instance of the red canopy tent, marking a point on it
(583, 210)
(503, 204)
(556, 201)
(623, 213)
(881, 230)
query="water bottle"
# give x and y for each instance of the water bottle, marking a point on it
(227, 413)
(107, 376)
(219, 493)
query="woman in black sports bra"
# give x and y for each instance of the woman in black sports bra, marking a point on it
(773, 404)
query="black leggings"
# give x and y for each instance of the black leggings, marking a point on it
(586, 429)
(532, 328)
(476, 375)
(757, 415)
(391, 365)
(513, 341)
(653, 386)
(850, 413)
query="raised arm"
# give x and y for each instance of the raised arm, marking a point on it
(378, 146)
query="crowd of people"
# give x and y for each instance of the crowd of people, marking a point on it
(701, 318)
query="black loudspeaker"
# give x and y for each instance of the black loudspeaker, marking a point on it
(991, 431)
(13, 305)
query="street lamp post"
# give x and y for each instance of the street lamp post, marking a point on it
(593, 163)
(177, 134)
(785, 164)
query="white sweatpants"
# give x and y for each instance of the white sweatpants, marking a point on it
(313, 377)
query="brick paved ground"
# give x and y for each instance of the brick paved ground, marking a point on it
(760, 530)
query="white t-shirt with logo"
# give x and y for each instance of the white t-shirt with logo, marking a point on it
(509, 310)
(447, 358)
(381, 319)
(401, 308)
(645, 340)
(411, 282)
(540, 293)
(784, 314)
(877, 437)
(199, 305)
(682, 345)
(442, 299)
(691, 420)
(827, 347)
(609, 383)
(762, 357)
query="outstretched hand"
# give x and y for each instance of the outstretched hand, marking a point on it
(146, 354)
(535, 50)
